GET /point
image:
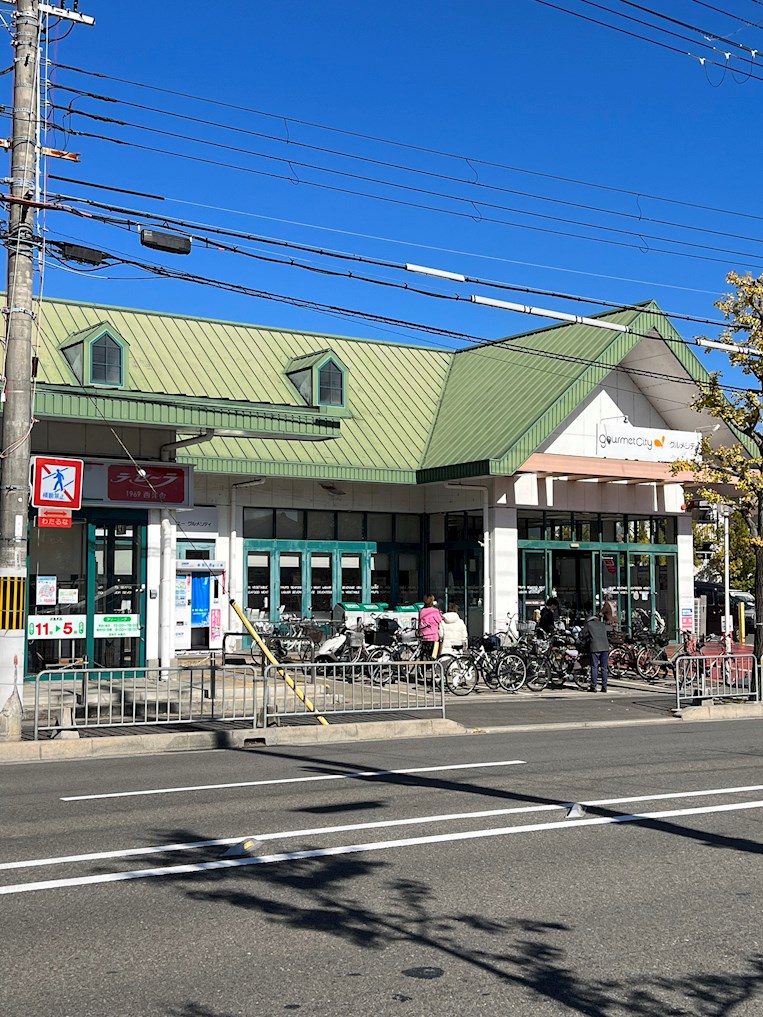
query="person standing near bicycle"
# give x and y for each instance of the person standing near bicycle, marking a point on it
(430, 617)
(453, 635)
(549, 616)
(598, 647)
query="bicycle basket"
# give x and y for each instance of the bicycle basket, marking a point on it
(491, 643)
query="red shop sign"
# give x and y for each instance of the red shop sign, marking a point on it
(156, 484)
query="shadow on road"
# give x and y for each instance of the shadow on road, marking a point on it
(514, 953)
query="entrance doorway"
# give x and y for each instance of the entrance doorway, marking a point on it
(573, 580)
(87, 592)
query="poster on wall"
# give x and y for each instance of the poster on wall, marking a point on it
(46, 591)
(68, 596)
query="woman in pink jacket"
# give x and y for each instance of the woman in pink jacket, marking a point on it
(429, 627)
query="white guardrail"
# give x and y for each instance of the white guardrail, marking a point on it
(73, 699)
(370, 687)
(720, 676)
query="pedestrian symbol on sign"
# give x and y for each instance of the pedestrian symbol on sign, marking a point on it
(57, 483)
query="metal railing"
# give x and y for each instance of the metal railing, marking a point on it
(83, 698)
(719, 676)
(364, 688)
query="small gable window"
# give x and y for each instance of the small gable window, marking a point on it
(97, 355)
(321, 379)
(330, 385)
(106, 361)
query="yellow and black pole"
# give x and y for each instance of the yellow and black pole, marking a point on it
(269, 656)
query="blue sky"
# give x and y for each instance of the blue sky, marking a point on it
(515, 83)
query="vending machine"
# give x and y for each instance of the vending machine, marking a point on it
(198, 604)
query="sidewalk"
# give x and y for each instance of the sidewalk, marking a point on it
(490, 712)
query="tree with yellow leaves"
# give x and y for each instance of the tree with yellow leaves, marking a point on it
(741, 464)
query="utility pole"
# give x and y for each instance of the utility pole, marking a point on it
(15, 444)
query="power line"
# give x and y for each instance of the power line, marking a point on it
(477, 342)
(730, 14)
(750, 259)
(634, 35)
(143, 216)
(674, 21)
(639, 217)
(468, 160)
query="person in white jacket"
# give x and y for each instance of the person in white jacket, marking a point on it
(453, 634)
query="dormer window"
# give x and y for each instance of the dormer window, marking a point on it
(105, 361)
(330, 385)
(97, 356)
(320, 378)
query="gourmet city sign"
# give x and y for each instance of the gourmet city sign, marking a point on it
(645, 444)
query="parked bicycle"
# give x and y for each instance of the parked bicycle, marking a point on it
(486, 662)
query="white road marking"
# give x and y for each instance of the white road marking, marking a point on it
(34, 863)
(360, 774)
(384, 845)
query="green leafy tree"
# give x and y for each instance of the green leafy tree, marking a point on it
(740, 465)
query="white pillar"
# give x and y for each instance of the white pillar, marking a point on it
(153, 585)
(167, 593)
(685, 564)
(504, 564)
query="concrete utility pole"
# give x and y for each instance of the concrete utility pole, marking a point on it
(17, 411)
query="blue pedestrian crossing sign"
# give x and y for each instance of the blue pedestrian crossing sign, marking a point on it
(57, 482)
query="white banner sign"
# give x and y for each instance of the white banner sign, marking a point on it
(646, 444)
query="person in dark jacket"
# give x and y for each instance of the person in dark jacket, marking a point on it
(548, 615)
(599, 649)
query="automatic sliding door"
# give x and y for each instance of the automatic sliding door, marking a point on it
(290, 583)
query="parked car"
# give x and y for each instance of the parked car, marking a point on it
(714, 592)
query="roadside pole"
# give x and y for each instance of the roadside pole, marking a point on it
(17, 410)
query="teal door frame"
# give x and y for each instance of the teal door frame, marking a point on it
(305, 548)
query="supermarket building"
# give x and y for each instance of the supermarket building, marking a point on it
(293, 470)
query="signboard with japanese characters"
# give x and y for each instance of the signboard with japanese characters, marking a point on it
(137, 484)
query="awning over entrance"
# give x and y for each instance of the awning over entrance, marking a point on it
(628, 471)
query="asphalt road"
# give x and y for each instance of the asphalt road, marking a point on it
(457, 887)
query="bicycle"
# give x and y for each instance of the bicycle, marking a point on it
(496, 668)
(653, 660)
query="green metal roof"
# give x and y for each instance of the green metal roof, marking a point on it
(413, 413)
(392, 392)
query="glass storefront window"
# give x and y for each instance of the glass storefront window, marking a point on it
(379, 527)
(350, 525)
(381, 579)
(57, 586)
(665, 589)
(409, 578)
(474, 527)
(640, 531)
(408, 529)
(532, 583)
(258, 524)
(530, 527)
(664, 530)
(258, 584)
(290, 524)
(320, 525)
(613, 529)
(585, 530)
(352, 578)
(454, 527)
(321, 589)
(437, 528)
(559, 528)
(290, 600)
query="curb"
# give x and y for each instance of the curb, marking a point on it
(53, 749)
